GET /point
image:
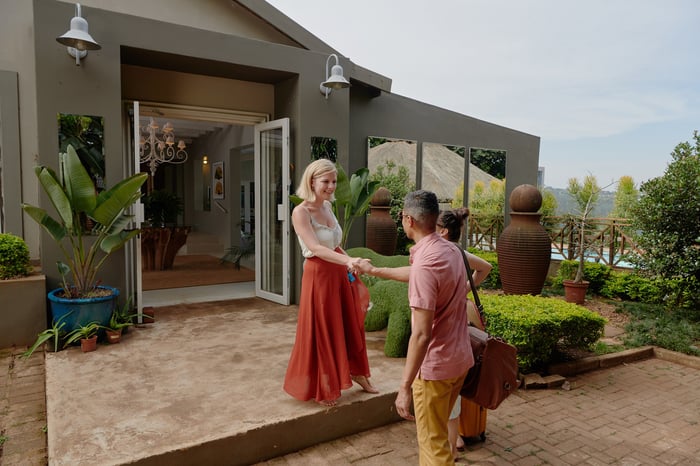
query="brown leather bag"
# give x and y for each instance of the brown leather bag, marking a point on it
(494, 375)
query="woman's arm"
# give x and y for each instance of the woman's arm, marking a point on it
(480, 268)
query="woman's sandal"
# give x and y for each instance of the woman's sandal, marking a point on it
(363, 382)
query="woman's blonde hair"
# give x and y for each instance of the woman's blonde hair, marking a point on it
(315, 169)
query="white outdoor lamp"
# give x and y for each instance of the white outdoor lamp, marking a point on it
(77, 39)
(335, 80)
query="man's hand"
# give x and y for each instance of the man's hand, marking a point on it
(403, 403)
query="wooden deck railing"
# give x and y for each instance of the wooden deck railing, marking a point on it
(609, 239)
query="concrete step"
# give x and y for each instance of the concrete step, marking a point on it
(201, 385)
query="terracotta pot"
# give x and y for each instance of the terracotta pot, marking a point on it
(88, 344)
(575, 292)
(524, 247)
(381, 231)
(113, 336)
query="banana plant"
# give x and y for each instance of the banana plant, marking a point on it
(74, 197)
(353, 196)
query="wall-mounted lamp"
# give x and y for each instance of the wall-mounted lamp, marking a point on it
(77, 39)
(334, 80)
(205, 160)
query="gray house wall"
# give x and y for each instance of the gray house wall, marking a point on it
(50, 83)
(394, 116)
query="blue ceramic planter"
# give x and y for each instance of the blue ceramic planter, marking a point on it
(82, 311)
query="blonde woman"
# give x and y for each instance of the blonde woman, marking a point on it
(329, 352)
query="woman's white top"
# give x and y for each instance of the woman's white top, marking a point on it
(327, 236)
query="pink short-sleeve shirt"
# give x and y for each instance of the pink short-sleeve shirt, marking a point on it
(438, 283)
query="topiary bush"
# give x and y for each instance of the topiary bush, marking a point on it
(539, 326)
(389, 299)
(387, 296)
(14, 257)
(398, 332)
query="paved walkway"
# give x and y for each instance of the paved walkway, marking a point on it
(22, 409)
(642, 413)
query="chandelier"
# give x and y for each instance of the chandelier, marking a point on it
(155, 150)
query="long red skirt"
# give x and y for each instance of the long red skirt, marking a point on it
(330, 339)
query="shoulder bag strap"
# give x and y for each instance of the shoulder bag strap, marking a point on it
(479, 306)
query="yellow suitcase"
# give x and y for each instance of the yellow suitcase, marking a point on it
(472, 422)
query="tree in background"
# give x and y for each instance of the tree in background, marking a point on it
(488, 201)
(667, 219)
(626, 197)
(585, 194)
(548, 209)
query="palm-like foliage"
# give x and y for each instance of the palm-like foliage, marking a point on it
(74, 197)
(354, 196)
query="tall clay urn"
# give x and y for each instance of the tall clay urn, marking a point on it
(524, 246)
(381, 231)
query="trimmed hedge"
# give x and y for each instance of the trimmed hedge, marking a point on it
(14, 257)
(538, 326)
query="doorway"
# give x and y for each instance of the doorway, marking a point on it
(214, 189)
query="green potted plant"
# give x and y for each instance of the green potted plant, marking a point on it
(121, 319)
(74, 197)
(86, 334)
(55, 333)
(586, 196)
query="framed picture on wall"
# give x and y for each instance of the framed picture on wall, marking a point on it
(218, 182)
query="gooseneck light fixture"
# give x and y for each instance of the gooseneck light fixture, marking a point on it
(155, 150)
(77, 39)
(334, 80)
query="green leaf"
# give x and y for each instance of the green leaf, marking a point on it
(113, 202)
(55, 229)
(57, 195)
(79, 187)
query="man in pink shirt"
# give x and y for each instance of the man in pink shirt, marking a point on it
(439, 352)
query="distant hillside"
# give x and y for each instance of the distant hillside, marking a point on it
(565, 203)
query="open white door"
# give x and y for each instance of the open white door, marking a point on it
(134, 280)
(272, 275)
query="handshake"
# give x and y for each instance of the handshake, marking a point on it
(360, 265)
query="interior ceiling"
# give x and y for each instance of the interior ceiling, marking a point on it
(187, 130)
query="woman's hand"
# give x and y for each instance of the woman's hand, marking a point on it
(356, 264)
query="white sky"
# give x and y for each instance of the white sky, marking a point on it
(610, 86)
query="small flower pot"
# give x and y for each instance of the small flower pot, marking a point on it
(88, 344)
(113, 336)
(575, 292)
